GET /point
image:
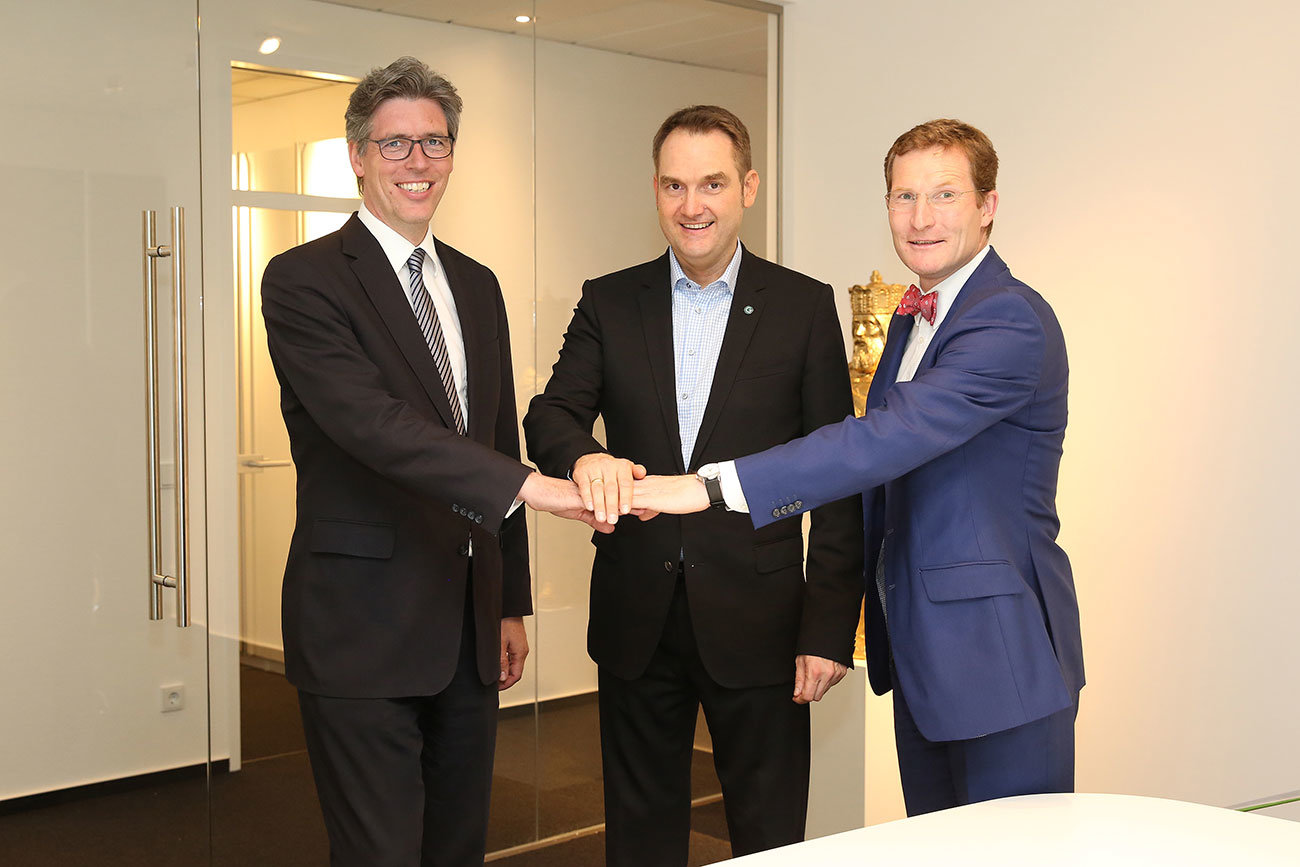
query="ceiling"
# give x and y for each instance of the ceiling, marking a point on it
(697, 32)
(249, 85)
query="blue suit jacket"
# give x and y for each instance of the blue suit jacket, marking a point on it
(958, 471)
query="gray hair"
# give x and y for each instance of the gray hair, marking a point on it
(404, 78)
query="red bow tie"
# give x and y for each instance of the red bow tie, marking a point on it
(914, 301)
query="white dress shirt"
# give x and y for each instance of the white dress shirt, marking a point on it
(699, 324)
(399, 250)
(918, 341)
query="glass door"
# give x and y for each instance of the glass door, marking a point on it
(275, 79)
(104, 736)
(551, 187)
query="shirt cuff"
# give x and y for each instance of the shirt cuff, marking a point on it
(732, 493)
(516, 505)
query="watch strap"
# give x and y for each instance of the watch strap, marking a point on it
(713, 486)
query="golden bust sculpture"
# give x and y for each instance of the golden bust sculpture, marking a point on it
(872, 306)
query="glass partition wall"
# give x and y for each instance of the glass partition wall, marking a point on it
(605, 80)
(552, 186)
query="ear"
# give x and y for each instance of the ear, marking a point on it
(989, 208)
(354, 157)
(750, 187)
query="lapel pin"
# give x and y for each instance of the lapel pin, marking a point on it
(748, 309)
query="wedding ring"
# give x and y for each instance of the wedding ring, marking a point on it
(598, 481)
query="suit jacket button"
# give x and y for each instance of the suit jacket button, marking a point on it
(798, 504)
(776, 513)
(478, 519)
(668, 565)
(463, 550)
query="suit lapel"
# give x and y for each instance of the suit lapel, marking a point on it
(988, 277)
(656, 302)
(735, 341)
(380, 283)
(473, 322)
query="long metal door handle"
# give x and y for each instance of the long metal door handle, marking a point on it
(259, 462)
(157, 578)
(151, 253)
(182, 416)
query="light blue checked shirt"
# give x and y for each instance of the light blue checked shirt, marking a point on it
(699, 322)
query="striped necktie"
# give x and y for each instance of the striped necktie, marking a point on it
(428, 319)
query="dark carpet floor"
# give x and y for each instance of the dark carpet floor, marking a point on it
(547, 782)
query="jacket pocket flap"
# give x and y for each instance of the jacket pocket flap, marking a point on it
(780, 554)
(354, 538)
(971, 581)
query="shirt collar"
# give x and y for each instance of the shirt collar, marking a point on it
(727, 281)
(396, 248)
(950, 286)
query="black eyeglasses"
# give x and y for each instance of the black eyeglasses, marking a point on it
(435, 147)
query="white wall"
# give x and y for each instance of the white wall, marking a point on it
(1146, 193)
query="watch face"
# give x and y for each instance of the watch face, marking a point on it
(709, 471)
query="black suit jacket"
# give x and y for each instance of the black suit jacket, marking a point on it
(780, 374)
(389, 495)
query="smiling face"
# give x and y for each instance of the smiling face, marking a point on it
(701, 198)
(935, 242)
(403, 194)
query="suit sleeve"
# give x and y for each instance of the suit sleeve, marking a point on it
(559, 421)
(318, 354)
(987, 369)
(833, 590)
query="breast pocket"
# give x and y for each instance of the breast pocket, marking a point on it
(978, 580)
(352, 538)
(748, 374)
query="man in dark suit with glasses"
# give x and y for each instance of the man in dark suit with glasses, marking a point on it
(407, 577)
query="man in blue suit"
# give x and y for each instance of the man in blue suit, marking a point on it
(972, 619)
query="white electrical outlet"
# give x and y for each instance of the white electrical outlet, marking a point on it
(173, 697)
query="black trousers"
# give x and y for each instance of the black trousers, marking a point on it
(406, 781)
(647, 734)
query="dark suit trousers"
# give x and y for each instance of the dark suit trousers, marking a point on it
(647, 734)
(406, 781)
(1030, 759)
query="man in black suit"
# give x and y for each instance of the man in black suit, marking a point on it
(688, 357)
(407, 576)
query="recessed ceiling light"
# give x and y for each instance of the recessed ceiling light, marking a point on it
(522, 19)
(270, 45)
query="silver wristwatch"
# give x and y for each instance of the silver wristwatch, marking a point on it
(711, 476)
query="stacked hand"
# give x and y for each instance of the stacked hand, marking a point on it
(674, 495)
(560, 497)
(611, 487)
(605, 485)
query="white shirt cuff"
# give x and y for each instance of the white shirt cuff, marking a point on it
(516, 505)
(731, 490)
